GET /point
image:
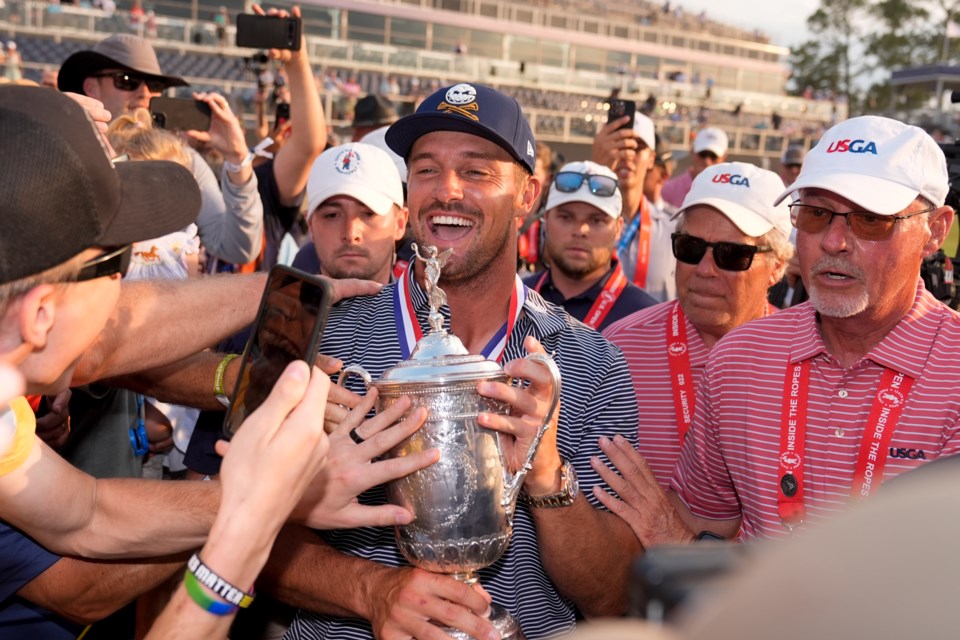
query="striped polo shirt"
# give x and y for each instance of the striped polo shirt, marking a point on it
(596, 399)
(642, 337)
(729, 464)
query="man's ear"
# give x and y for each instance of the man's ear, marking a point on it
(939, 222)
(531, 190)
(37, 314)
(91, 87)
(403, 214)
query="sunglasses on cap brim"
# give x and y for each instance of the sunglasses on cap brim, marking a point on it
(570, 181)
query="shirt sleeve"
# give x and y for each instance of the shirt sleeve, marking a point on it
(701, 478)
(231, 218)
(21, 560)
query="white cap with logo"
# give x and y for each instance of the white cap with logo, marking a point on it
(358, 170)
(713, 140)
(744, 193)
(877, 163)
(610, 205)
(643, 127)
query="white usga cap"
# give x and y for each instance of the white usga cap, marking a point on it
(877, 163)
(358, 170)
(643, 127)
(713, 140)
(745, 194)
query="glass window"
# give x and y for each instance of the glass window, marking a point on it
(588, 58)
(408, 33)
(366, 27)
(485, 44)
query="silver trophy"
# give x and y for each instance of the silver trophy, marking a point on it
(464, 503)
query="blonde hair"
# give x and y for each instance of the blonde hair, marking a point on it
(135, 135)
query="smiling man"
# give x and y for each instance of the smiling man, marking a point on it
(817, 405)
(581, 225)
(470, 155)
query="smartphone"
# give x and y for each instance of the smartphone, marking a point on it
(282, 115)
(620, 108)
(180, 114)
(289, 326)
(268, 32)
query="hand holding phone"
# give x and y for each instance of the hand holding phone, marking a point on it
(289, 326)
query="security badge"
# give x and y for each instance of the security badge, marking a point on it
(461, 99)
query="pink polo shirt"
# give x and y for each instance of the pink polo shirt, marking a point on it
(676, 188)
(642, 336)
(728, 467)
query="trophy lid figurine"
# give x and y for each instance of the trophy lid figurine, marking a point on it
(463, 504)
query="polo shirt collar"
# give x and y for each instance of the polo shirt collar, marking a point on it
(536, 310)
(905, 349)
(590, 294)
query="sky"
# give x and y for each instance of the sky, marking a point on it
(785, 22)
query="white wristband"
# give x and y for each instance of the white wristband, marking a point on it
(236, 168)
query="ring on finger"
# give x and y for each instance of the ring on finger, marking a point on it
(356, 436)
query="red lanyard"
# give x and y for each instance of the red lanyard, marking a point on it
(881, 423)
(643, 245)
(608, 297)
(398, 268)
(681, 378)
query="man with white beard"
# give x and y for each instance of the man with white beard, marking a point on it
(815, 406)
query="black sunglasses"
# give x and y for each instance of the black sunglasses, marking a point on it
(865, 225)
(570, 181)
(729, 256)
(107, 264)
(127, 81)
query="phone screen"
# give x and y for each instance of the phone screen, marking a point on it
(289, 325)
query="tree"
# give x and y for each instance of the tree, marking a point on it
(838, 25)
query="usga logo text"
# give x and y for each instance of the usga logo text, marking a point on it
(853, 146)
(724, 178)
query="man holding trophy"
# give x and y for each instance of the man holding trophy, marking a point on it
(470, 155)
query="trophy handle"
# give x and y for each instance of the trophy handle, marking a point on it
(512, 484)
(355, 370)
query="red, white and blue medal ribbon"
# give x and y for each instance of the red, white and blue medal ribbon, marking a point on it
(408, 327)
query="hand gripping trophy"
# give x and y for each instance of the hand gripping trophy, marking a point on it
(464, 503)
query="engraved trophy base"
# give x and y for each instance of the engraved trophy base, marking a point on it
(502, 621)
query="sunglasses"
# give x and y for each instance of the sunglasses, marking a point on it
(729, 256)
(864, 224)
(127, 81)
(570, 181)
(107, 264)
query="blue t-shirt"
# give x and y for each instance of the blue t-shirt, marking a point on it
(22, 560)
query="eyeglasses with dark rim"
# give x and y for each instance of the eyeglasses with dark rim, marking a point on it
(729, 256)
(570, 181)
(865, 225)
(107, 264)
(127, 81)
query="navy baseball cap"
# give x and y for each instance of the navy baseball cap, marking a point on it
(468, 108)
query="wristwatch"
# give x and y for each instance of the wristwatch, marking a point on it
(569, 488)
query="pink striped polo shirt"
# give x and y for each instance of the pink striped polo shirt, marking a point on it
(728, 467)
(642, 336)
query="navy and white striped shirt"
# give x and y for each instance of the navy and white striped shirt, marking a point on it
(597, 399)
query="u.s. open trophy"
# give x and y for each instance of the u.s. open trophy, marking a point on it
(464, 503)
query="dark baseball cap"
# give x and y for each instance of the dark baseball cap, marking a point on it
(62, 194)
(468, 108)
